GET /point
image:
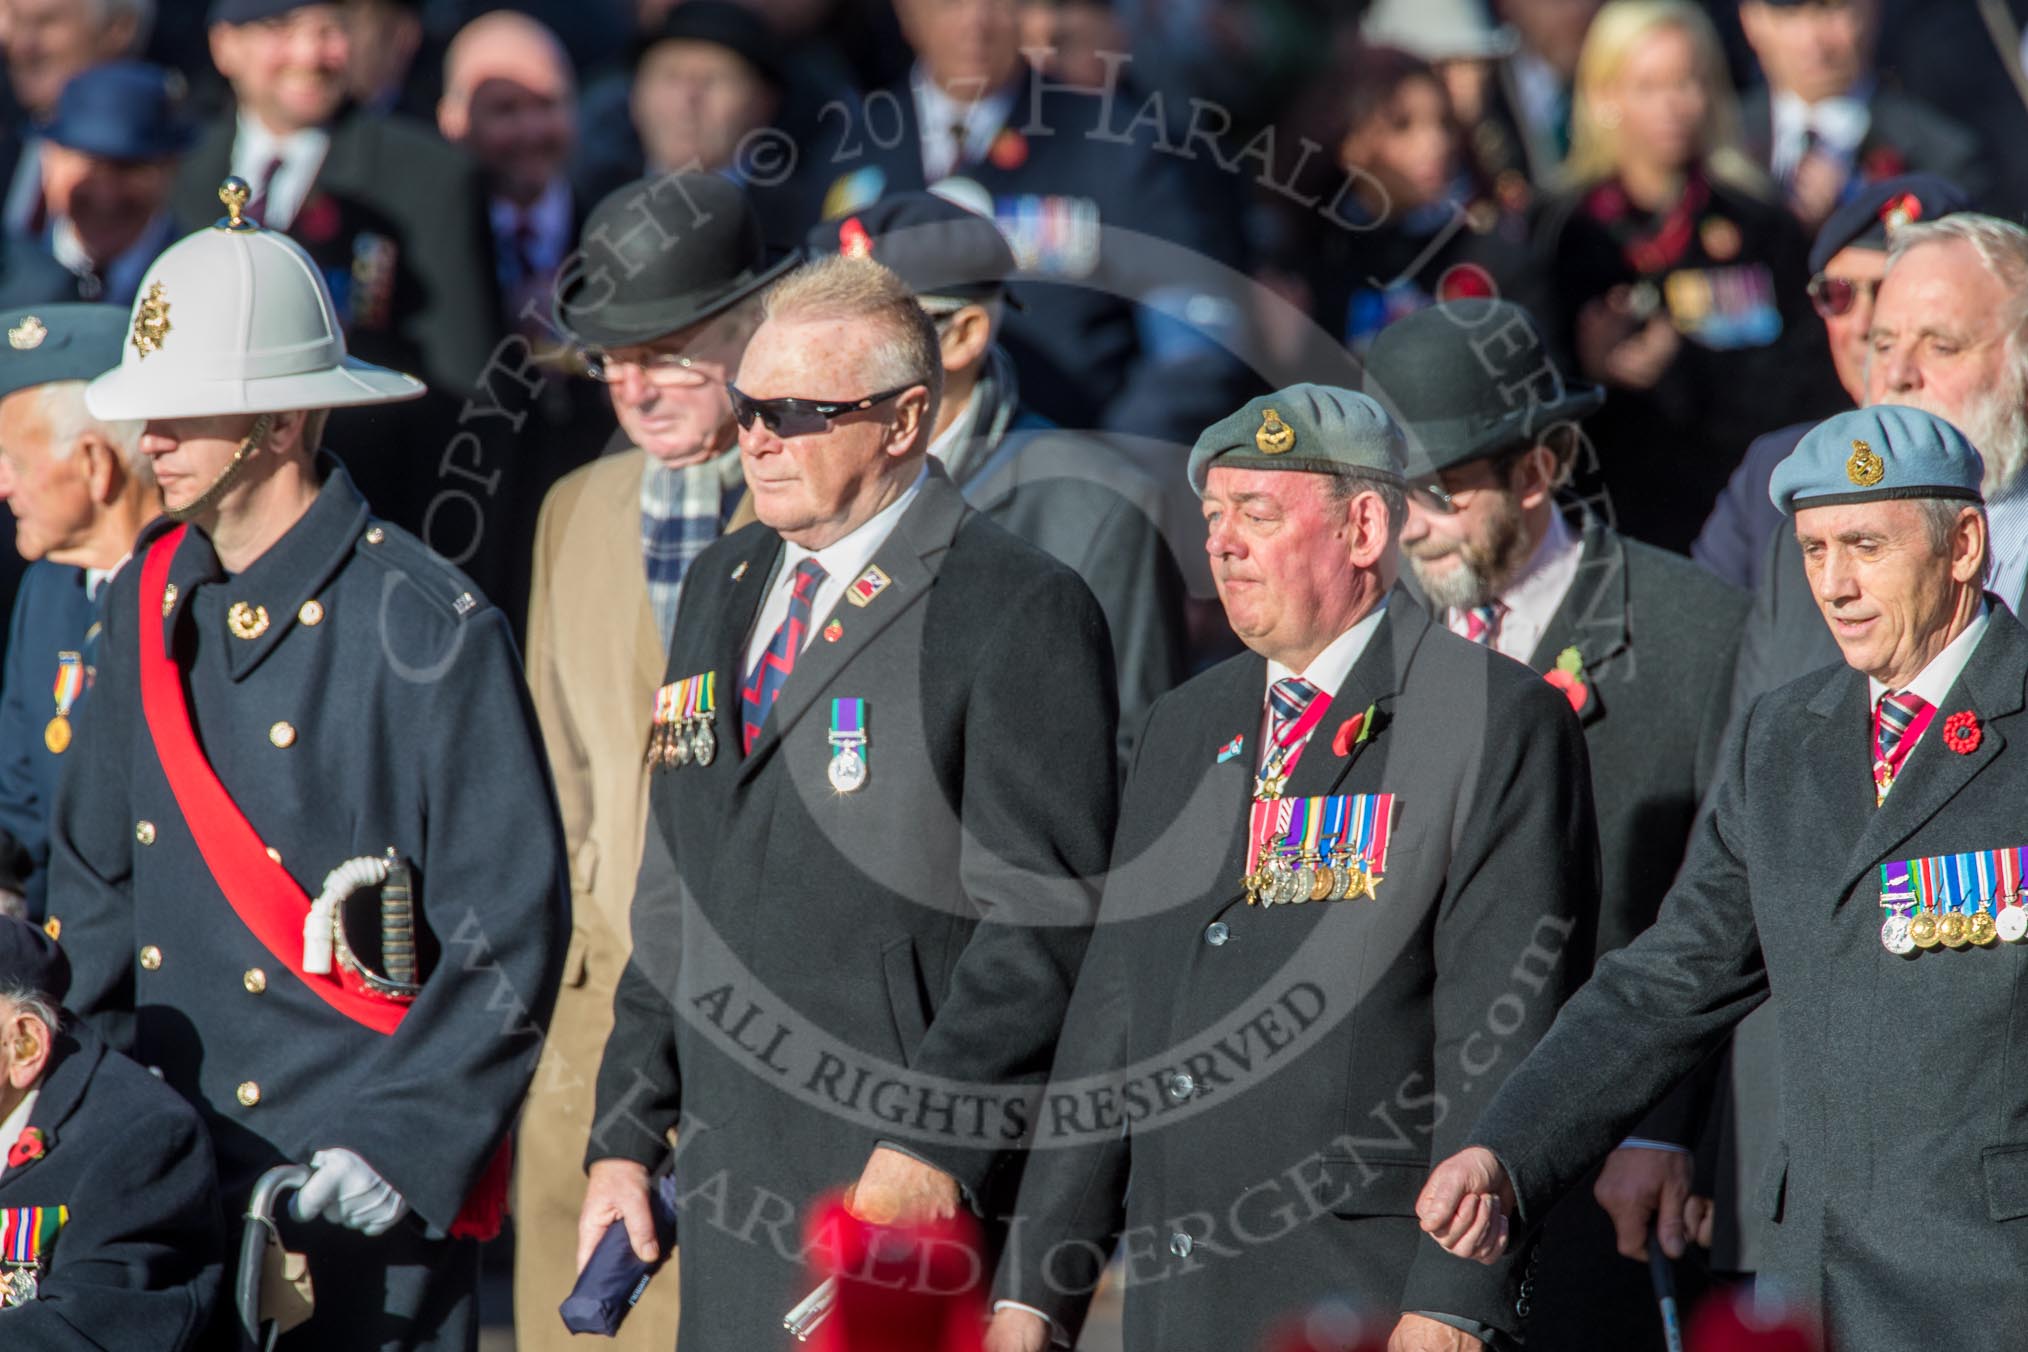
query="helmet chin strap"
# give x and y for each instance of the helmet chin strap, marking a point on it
(228, 476)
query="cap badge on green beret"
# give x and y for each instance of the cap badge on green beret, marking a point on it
(1274, 435)
(1864, 468)
(151, 321)
(29, 333)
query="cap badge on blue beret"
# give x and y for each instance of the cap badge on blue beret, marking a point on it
(1274, 436)
(29, 333)
(151, 321)
(1864, 468)
(1899, 210)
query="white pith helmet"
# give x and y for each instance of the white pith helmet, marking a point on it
(237, 319)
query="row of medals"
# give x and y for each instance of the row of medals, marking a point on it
(1283, 882)
(674, 745)
(1904, 934)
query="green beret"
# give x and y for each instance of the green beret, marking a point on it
(1318, 429)
(1873, 454)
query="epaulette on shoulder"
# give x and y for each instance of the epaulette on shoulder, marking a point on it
(435, 579)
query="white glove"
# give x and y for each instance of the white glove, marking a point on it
(344, 1190)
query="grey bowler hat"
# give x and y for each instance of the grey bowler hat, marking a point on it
(1469, 379)
(1320, 429)
(1875, 454)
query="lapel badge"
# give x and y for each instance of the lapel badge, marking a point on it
(1274, 436)
(867, 585)
(28, 334)
(833, 632)
(740, 571)
(1865, 468)
(151, 321)
(1230, 751)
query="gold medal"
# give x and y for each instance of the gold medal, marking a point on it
(1953, 930)
(1922, 929)
(1322, 882)
(1982, 930)
(56, 735)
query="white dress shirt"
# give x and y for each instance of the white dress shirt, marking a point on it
(844, 560)
(1840, 122)
(16, 1123)
(937, 114)
(955, 440)
(1531, 599)
(302, 155)
(1934, 681)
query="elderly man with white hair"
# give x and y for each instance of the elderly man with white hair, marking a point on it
(80, 491)
(108, 1200)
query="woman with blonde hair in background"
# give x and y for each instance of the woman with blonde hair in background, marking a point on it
(1681, 278)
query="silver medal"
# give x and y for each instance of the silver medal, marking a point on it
(704, 743)
(1894, 935)
(2012, 922)
(679, 744)
(848, 769)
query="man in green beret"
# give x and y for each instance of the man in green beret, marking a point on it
(1354, 865)
(1859, 869)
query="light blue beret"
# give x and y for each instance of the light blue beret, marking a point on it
(1874, 454)
(1320, 429)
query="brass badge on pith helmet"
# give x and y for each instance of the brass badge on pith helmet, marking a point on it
(29, 333)
(1274, 436)
(1865, 468)
(151, 321)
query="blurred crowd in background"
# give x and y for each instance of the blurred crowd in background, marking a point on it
(1209, 197)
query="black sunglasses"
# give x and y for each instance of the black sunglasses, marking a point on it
(801, 417)
(1834, 296)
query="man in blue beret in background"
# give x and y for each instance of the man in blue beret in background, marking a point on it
(1336, 854)
(1847, 261)
(1860, 870)
(108, 161)
(108, 1201)
(79, 491)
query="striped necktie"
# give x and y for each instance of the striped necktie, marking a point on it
(1482, 624)
(764, 682)
(1899, 712)
(1287, 699)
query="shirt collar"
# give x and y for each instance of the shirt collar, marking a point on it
(1539, 587)
(848, 556)
(983, 117)
(953, 442)
(548, 215)
(1329, 668)
(122, 276)
(1934, 681)
(1840, 120)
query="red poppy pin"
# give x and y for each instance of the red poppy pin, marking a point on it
(1568, 676)
(1009, 150)
(1353, 731)
(1962, 733)
(317, 222)
(28, 1146)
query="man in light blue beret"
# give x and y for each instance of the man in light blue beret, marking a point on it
(79, 490)
(1337, 852)
(1861, 870)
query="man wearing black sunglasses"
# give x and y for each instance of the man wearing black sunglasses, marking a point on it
(1847, 261)
(891, 842)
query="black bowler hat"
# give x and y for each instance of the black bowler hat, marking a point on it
(936, 246)
(123, 110)
(661, 255)
(46, 343)
(735, 27)
(1880, 208)
(29, 958)
(1468, 379)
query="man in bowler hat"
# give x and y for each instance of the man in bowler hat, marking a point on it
(1639, 640)
(625, 529)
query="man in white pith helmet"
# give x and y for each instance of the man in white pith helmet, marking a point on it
(308, 861)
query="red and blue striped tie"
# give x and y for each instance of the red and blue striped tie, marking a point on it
(1898, 711)
(764, 682)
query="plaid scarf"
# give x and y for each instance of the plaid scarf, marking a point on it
(682, 511)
